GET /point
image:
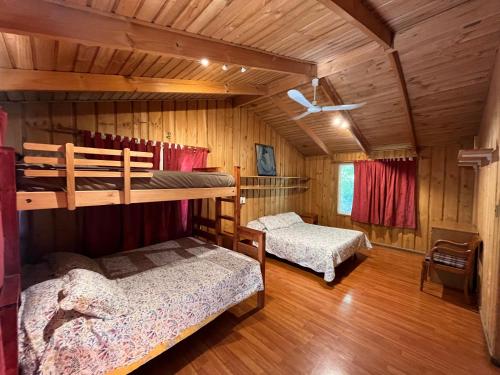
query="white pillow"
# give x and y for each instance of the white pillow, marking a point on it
(290, 218)
(93, 294)
(272, 222)
(257, 225)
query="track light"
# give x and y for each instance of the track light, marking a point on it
(204, 61)
(243, 69)
(225, 67)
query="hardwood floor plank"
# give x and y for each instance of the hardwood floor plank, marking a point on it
(371, 320)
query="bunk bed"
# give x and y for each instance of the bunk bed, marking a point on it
(66, 176)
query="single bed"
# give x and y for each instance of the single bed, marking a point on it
(173, 288)
(316, 247)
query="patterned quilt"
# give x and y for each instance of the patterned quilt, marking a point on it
(316, 247)
(170, 286)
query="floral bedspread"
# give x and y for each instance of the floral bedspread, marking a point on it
(316, 247)
(170, 287)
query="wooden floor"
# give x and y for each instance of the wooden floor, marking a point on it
(372, 320)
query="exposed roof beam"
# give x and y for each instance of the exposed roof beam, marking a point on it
(41, 18)
(36, 80)
(357, 14)
(396, 65)
(307, 129)
(355, 57)
(274, 88)
(334, 97)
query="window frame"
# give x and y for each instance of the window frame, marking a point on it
(339, 190)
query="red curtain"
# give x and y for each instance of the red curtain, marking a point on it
(184, 159)
(108, 229)
(384, 193)
(3, 126)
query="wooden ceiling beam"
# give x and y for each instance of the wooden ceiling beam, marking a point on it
(335, 98)
(52, 20)
(358, 15)
(274, 88)
(307, 129)
(37, 80)
(396, 66)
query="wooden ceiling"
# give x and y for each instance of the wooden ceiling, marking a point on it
(302, 29)
(446, 51)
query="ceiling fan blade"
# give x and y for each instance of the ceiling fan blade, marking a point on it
(299, 98)
(302, 115)
(343, 107)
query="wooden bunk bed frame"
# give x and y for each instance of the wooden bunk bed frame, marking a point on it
(70, 198)
(243, 239)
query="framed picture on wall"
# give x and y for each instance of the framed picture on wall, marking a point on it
(266, 164)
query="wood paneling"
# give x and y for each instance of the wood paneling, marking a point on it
(21, 52)
(230, 133)
(98, 29)
(447, 61)
(446, 50)
(445, 193)
(303, 29)
(488, 222)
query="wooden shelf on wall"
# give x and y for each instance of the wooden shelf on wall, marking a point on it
(272, 187)
(274, 182)
(475, 157)
(278, 177)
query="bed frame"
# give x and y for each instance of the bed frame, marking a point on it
(69, 163)
(64, 157)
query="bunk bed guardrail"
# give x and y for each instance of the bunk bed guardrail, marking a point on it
(68, 167)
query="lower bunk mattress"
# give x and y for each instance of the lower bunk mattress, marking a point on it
(169, 288)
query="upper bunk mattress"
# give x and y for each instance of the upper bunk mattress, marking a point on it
(160, 180)
(170, 287)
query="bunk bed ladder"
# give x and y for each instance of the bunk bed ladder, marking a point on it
(235, 219)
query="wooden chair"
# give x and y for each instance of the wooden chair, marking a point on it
(452, 257)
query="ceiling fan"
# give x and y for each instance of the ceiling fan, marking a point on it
(314, 107)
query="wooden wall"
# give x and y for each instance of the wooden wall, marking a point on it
(445, 193)
(230, 134)
(488, 197)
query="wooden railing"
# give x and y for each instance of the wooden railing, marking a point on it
(68, 164)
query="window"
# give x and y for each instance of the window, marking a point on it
(346, 188)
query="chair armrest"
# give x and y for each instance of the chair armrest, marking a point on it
(451, 243)
(449, 251)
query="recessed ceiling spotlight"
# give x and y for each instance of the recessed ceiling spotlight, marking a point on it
(225, 67)
(338, 120)
(204, 61)
(345, 125)
(243, 69)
